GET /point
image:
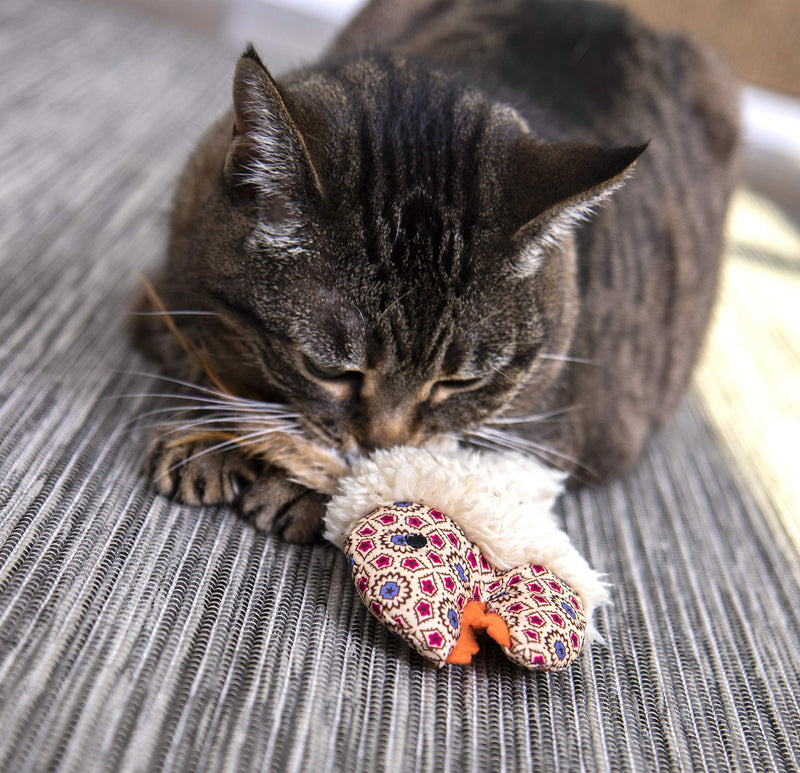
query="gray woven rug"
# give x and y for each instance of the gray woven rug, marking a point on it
(138, 635)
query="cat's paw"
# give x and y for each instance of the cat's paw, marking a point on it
(276, 504)
(195, 475)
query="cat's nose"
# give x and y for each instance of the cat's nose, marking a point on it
(387, 431)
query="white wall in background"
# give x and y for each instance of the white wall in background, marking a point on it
(332, 10)
(771, 122)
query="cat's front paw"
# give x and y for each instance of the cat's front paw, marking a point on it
(274, 503)
(192, 473)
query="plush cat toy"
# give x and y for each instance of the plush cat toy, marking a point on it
(447, 544)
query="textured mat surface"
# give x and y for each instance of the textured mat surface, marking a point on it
(137, 635)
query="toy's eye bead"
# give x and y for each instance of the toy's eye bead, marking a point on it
(410, 540)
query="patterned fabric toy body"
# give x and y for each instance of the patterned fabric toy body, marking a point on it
(421, 576)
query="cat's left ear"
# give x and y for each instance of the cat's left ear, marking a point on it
(552, 186)
(268, 153)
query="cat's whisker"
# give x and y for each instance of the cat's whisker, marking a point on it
(256, 438)
(173, 313)
(233, 411)
(207, 403)
(243, 411)
(492, 445)
(545, 454)
(236, 412)
(533, 417)
(225, 396)
(567, 358)
(168, 395)
(394, 303)
(240, 421)
(139, 417)
(173, 396)
(512, 442)
(507, 441)
(506, 377)
(239, 440)
(168, 428)
(228, 423)
(361, 314)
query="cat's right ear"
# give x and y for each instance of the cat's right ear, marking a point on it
(552, 186)
(267, 155)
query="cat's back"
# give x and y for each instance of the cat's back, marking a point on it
(581, 69)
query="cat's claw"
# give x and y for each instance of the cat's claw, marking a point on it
(192, 474)
(276, 504)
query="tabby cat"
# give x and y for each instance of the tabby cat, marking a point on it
(495, 219)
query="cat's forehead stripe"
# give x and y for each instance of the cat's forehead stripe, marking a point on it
(418, 142)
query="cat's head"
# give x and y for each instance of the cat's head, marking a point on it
(384, 248)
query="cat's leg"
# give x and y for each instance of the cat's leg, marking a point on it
(274, 503)
(194, 474)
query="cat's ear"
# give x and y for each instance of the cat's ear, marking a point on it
(267, 154)
(553, 186)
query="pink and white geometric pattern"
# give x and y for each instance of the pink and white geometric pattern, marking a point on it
(415, 569)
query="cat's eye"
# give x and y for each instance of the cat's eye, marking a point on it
(326, 372)
(451, 385)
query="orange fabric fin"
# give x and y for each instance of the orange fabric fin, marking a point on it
(466, 647)
(475, 619)
(498, 629)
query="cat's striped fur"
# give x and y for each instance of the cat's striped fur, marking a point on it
(392, 241)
